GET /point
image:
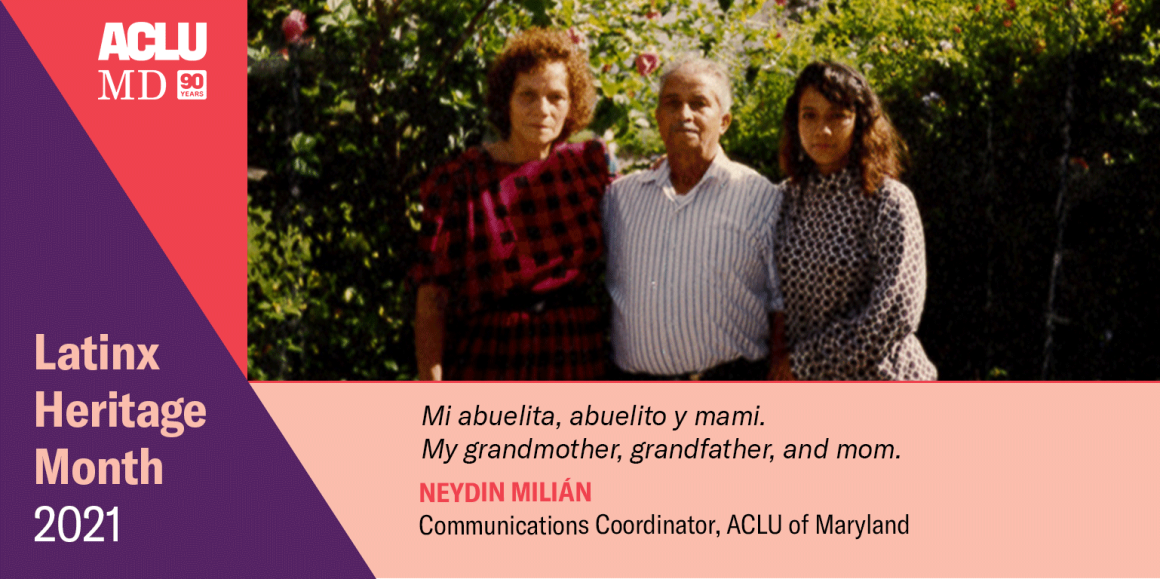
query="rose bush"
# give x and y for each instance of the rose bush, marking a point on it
(294, 26)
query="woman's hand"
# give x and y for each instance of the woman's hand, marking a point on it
(430, 324)
(779, 368)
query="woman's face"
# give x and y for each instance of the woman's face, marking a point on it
(826, 131)
(539, 105)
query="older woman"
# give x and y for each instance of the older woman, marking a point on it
(511, 230)
(849, 240)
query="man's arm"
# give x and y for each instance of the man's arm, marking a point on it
(779, 362)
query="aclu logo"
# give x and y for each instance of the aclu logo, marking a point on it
(132, 44)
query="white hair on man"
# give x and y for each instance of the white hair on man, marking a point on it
(694, 63)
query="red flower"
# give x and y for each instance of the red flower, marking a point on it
(1007, 23)
(293, 26)
(957, 29)
(781, 2)
(576, 36)
(653, 15)
(1011, 4)
(647, 63)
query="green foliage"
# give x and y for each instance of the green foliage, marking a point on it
(347, 123)
(278, 270)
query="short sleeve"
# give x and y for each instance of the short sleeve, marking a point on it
(441, 229)
(600, 162)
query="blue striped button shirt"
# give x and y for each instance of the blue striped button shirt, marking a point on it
(692, 277)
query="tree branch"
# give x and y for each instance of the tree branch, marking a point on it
(450, 56)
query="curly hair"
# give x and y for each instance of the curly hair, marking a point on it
(528, 51)
(877, 149)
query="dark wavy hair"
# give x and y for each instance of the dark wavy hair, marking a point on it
(528, 51)
(877, 149)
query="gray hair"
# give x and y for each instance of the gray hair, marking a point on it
(694, 63)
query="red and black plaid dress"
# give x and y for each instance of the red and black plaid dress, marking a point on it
(503, 238)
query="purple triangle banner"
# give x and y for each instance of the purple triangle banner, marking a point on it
(171, 469)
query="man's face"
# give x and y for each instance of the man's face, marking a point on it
(689, 116)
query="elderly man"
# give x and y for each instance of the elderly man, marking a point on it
(690, 246)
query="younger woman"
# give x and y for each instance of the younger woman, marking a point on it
(849, 241)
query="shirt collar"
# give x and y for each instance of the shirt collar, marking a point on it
(720, 167)
(843, 179)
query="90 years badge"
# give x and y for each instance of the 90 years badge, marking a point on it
(191, 85)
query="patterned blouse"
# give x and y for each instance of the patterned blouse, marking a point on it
(853, 271)
(517, 245)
